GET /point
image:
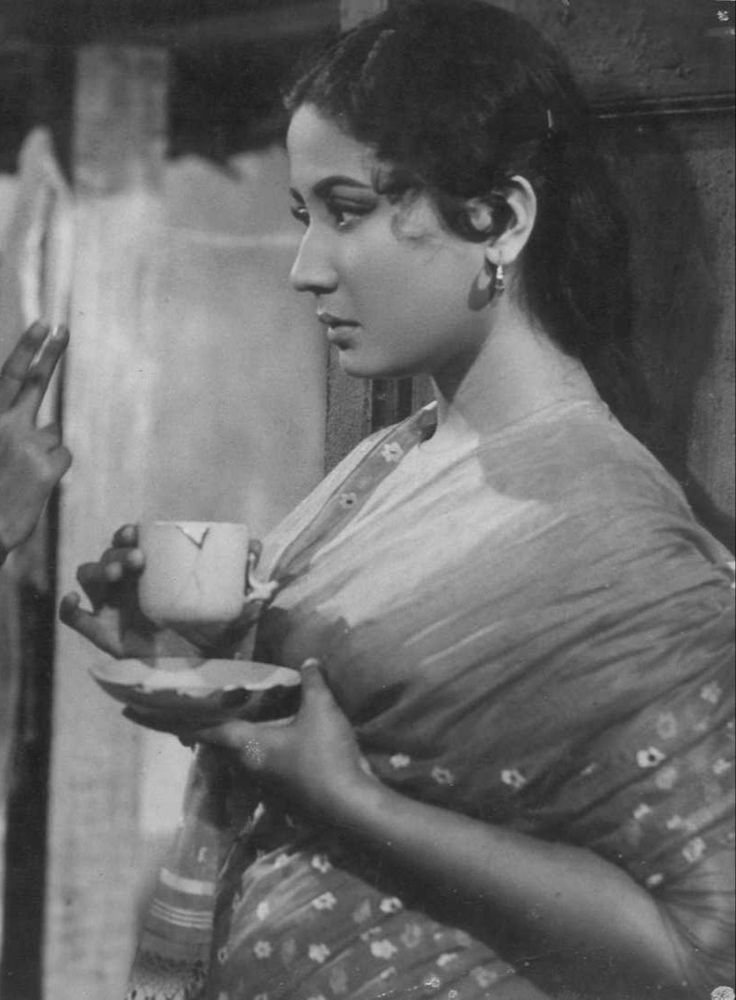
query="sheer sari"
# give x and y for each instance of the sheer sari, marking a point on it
(533, 632)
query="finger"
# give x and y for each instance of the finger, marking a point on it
(9, 388)
(231, 734)
(39, 374)
(255, 547)
(112, 567)
(86, 624)
(314, 686)
(126, 536)
(164, 721)
(250, 742)
(96, 578)
(16, 365)
(96, 575)
(152, 719)
(60, 459)
(50, 436)
(55, 465)
(116, 562)
(94, 583)
(18, 362)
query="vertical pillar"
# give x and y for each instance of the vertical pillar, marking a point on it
(119, 140)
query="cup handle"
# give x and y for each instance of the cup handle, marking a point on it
(260, 590)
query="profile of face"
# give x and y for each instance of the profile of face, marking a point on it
(396, 290)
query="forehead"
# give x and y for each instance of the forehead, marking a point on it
(317, 149)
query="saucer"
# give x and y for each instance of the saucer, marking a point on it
(195, 691)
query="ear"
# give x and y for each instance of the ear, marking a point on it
(480, 214)
(522, 214)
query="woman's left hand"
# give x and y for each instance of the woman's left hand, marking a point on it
(312, 758)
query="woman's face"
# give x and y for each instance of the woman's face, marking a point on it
(396, 291)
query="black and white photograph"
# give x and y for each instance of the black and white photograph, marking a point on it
(367, 432)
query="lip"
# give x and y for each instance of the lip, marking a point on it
(335, 322)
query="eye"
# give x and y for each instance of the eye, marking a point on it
(300, 214)
(346, 214)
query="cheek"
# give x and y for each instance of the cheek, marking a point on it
(378, 283)
(407, 283)
(429, 289)
(407, 272)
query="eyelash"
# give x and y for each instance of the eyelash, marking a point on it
(300, 214)
(342, 216)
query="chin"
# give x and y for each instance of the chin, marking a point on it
(352, 364)
(361, 367)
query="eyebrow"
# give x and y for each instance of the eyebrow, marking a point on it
(323, 187)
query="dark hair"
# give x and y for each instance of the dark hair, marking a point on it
(458, 96)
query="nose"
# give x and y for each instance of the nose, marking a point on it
(312, 270)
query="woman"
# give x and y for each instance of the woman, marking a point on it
(32, 459)
(509, 775)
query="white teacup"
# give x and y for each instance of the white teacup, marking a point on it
(195, 571)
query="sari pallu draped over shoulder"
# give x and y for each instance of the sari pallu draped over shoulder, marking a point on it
(533, 632)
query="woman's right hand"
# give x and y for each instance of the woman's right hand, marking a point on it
(116, 623)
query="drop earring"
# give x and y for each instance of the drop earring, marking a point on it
(498, 280)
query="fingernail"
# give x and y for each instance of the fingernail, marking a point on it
(58, 332)
(310, 664)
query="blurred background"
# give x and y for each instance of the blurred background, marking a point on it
(143, 201)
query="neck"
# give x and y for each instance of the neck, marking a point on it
(518, 371)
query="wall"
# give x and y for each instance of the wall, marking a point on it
(678, 178)
(661, 76)
(658, 74)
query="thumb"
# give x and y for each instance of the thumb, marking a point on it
(314, 684)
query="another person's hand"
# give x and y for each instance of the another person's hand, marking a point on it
(32, 459)
(312, 759)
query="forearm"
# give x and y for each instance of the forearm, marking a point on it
(549, 898)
